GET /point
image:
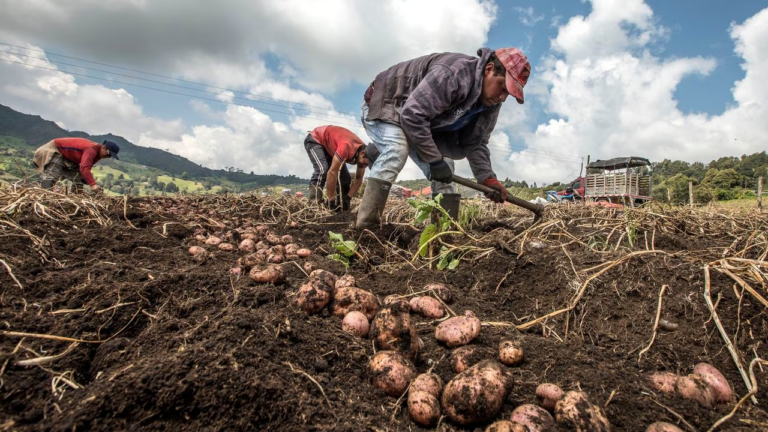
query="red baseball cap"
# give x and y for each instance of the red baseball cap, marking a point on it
(518, 70)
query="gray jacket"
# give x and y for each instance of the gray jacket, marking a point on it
(433, 91)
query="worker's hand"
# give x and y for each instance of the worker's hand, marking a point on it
(500, 194)
(96, 189)
(346, 202)
(334, 203)
(440, 171)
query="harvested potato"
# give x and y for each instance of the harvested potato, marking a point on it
(213, 241)
(196, 250)
(349, 299)
(291, 249)
(247, 245)
(227, 247)
(391, 372)
(533, 418)
(575, 411)
(308, 267)
(427, 306)
(505, 426)
(423, 408)
(696, 388)
(275, 258)
(427, 382)
(261, 229)
(251, 260)
(236, 271)
(663, 381)
(477, 394)
(277, 249)
(441, 291)
(548, 395)
(663, 427)
(716, 380)
(464, 357)
(313, 296)
(262, 245)
(355, 323)
(459, 330)
(391, 329)
(393, 298)
(266, 273)
(345, 281)
(303, 252)
(249, 236)
(510, 353)
(327, 277)
(200, 238)
(273, 239)
(286, 239)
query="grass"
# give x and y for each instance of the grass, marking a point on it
(739, 203)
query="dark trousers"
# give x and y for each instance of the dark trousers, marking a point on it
(321, 161)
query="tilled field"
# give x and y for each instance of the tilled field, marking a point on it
(108, 323)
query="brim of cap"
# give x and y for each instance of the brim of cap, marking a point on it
(514, 88)
(113, 155)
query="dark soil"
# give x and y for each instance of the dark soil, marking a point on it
(172, 344)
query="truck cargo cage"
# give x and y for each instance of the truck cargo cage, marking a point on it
(630, 187)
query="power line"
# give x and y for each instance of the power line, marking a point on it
(559, 156)
(491, 144)
(159, 75)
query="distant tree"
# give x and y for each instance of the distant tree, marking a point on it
(184, 175)
(121, 176)
(171, 187)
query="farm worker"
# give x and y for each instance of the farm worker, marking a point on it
(330, 148)
(435, 109)
(68, 157)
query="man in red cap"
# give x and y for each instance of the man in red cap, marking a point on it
(435, 109)
(330, 149)
(70, 157)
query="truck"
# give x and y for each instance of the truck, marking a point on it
(622, 180)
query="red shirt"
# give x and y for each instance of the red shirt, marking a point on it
(338, 141)
(82, 152)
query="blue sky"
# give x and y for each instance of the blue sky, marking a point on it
(654, 78)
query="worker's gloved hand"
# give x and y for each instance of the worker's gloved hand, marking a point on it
(440, 171)
(334, 204)
(500, 194)
(346, 202)
(96, 189)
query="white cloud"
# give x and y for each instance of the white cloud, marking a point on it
(39, 88)
(608, 96)
(321, 45)
(528, 16)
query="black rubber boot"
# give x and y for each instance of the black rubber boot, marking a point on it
(372, 206)
(315, 194)
(451, 203)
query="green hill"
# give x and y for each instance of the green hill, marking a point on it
(21, 134)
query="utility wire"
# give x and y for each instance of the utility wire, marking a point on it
(253, 95)
(492, 144)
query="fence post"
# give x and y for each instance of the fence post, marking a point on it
(760, 193)
(690, 193)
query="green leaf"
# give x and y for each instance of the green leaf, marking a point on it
(443, 263)
(335, 237)
(426, 235)
(340, 258)
(346, 248)
(453, 264)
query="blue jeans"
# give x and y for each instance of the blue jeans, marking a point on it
(391, 141)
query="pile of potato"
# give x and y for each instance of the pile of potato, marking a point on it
(706, 385)
(265, 251)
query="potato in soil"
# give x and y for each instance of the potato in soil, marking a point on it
(477, 394)
(459, 330)
(533, 418)
(355, 323)
(428, 382)
(391, 329)
(347, 299)
(313, 296)
(391, 372)
(423, 408)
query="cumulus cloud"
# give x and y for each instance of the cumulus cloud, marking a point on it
(608, 96)
(327, 44)
(38, 87)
